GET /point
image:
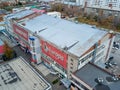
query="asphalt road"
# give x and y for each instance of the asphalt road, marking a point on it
(20, 52)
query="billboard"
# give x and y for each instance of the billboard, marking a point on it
(1, 49)
(57, 55)
(20, 31)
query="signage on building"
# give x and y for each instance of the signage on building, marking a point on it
(20, 31)
(57, 55)
(1, 49)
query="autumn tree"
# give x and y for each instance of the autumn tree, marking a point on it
(8, 52)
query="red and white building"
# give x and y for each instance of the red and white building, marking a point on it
(63, 45)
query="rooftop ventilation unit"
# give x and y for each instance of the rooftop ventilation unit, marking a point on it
(99, 80)
(42, 30)
(65, 48)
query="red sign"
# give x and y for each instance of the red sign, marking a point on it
(1, 49)
(57, 55)
(20, 31)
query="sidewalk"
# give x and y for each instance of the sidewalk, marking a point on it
(42, 69)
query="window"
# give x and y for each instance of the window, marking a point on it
(100, 54)
(33, 49)
(90, 55)
(71, 60)
(82, 60)
(71, 67)
(32, 43)
(71, 63)
(100, 48)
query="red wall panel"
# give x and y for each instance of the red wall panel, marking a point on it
(1, 49)
(20, 31)
(57, 55)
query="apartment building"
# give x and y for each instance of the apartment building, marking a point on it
(109, 7)
(110, 4)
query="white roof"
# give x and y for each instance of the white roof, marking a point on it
(27, 77)
(63, 33)
(20, 14)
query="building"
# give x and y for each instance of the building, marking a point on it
(1, 47)
(92, 77)
(19, 75)
(1, 42)
(108, 7)
(109, 4)
(63, 45)
(18, 17)
(54, 14)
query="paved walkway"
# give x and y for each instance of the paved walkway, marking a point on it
(43, 69)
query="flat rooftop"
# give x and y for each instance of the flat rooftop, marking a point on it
(20, 14)
(89, 74)
(63, 33)
(19, 75)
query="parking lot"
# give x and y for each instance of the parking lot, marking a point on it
(6, 39)
(115, 53)
(113, 65)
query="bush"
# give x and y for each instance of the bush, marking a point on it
(95, 18)
(55, 81)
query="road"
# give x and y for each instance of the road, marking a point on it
(20, 52)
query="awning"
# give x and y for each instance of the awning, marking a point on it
(66, 82)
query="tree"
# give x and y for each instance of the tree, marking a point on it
(19, 3)
(8, 52)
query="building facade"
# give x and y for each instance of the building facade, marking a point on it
(1, 47)
(94, 3)
(109, 7)
(22, 36)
